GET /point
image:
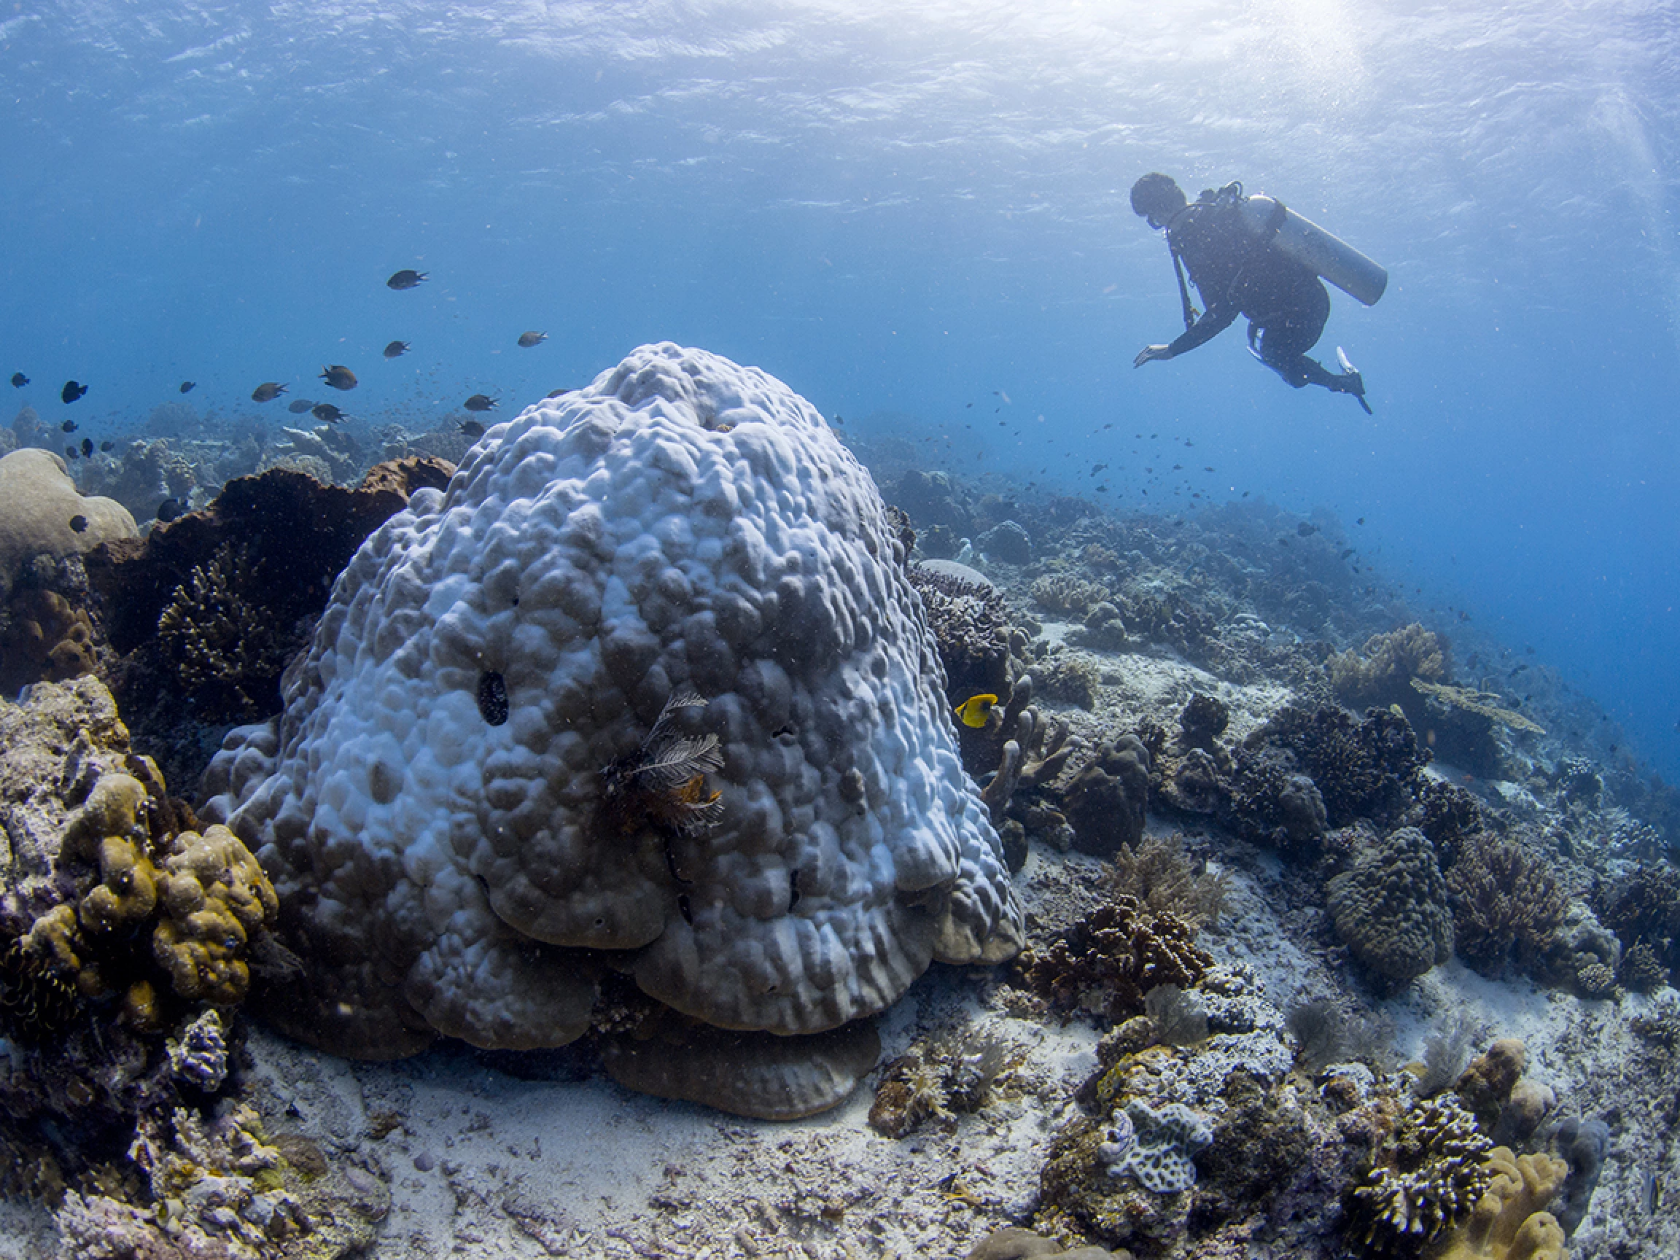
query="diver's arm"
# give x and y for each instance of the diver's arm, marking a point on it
(1210, 325)
(1215, 320)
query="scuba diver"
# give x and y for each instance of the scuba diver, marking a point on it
(1252, 256)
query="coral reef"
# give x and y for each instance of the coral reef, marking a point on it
(680, 521)
(1643, 909)
(1363, 768)
(1015, 1243)
(1159, 873)
(938, 1078)
(1426, 1178)
(1510, 1222)
(210, 607)
(47, 516)
(1106, 798)
(1391, 907)
(971, 624)
(1157, 1146)
(1485, 1086)
(1380, 672)
(44, 637)
(1108, 961)
(1506, 904)
(1583, 1144)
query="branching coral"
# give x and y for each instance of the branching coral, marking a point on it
(1108, 961)
(1162, 875)
(971, 625)
(1427, 1177)
(227, 651)
(1506, 904)
(1363, 767)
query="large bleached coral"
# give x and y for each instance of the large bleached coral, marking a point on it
(439, 805)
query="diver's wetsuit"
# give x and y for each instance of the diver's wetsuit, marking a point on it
(1286, 304)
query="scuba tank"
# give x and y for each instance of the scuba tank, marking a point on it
(1267, 218)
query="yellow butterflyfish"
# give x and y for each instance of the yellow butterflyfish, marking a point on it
(976, 709)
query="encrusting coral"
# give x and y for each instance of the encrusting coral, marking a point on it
(435, 784)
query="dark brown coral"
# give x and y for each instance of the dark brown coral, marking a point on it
(1108, 961)
(1363, 767)
(1106, 800)
(1506, 904)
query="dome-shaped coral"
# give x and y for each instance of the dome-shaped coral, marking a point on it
(442, 818)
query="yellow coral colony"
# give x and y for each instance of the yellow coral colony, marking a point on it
(1510, 1221)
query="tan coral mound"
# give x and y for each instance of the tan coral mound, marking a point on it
(1509, 1222)
(41, 502)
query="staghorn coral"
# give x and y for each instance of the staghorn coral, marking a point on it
(1506, 904)
(1425, 1178)
(1509, 1221)
(1391, 907)
(448, 866)
(1108, 961)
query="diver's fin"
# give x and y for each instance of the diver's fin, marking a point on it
(1355, 386)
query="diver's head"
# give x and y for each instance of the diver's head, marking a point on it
(1157, 197)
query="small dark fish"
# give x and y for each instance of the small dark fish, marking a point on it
(529, 339)
(299, 405)
(107, 446)
(407, 278)
(72, 391)
(171, 509)
(838, 419)
(69, 426)
(339, 376)
(70, 452)
(480, 402)
(1346, 552)
(87, 448)
(188, 386)
(1306, 530)
(326, 411)
(19, 380)
(1097, 468)
(555, 393)
(472, 428)
(1360, 521)
(268, 391)
(396, 349)
(79, 523)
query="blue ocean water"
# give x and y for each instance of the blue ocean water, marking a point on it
(903, 210)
